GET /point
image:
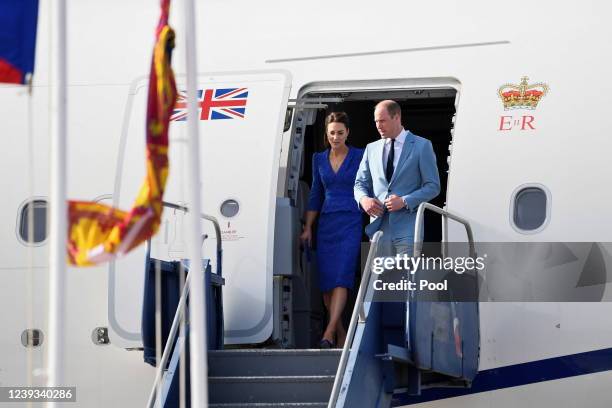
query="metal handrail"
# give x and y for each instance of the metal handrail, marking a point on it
(180, 309)
(418, 241)
(215, 223)
(359, 310)
(357, 316)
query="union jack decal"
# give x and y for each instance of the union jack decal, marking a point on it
(221, 103)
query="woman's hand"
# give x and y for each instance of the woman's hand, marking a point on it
(306, 237)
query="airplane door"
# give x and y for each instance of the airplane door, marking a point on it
(241, 117)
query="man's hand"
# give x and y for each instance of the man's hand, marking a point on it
(372, 206)
(394, 203)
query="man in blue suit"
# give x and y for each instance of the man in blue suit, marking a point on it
(396, 174)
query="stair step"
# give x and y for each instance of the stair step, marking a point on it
(271, 389)
(273, 362)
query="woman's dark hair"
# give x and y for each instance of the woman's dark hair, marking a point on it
(338, 117)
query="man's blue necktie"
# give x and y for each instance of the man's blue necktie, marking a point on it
(389, 169)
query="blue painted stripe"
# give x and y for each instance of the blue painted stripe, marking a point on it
(520, 374)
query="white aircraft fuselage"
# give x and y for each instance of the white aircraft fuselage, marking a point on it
(546, 133)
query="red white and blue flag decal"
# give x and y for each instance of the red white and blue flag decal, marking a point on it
(220, 103)
(17, 39)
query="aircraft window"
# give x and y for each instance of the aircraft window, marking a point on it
(39, 216)
(32, 338)
(229, 208)
(531, 209)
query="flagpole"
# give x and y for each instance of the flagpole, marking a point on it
(197, 306)
(57, 203)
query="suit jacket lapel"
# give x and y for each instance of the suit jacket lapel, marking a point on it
(378, 157)
(408, 146)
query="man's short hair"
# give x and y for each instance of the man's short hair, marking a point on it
(393, 108)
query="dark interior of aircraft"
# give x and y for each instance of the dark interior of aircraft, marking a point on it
(430, 118)
(425, 115)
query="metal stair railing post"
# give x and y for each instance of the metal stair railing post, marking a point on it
(215, 223)
(418, 241)
(357, 316)
(180, 309)
(169, 343)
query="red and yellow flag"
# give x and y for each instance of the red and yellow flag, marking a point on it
(97, 232)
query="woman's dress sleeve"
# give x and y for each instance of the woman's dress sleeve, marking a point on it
(317, 193)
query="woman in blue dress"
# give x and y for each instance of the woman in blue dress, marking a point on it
(339, 230)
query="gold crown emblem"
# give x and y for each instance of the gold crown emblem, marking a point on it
(523, 95)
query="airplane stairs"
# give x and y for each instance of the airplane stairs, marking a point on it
(395, 348)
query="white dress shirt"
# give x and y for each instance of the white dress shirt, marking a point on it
(399, 144)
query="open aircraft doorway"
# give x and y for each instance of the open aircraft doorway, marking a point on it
(428, 110)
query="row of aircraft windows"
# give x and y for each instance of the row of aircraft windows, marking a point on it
(529, 214)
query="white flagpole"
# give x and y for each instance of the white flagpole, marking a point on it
(197, 305)
(57, 206)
